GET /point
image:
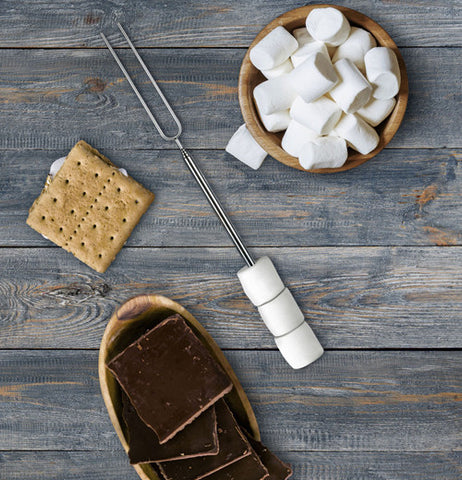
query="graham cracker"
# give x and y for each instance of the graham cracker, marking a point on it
(89, 208)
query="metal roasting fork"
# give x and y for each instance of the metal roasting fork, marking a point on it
(260, 280)
(195, 170)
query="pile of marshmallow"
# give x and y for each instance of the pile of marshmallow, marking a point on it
(327, 86)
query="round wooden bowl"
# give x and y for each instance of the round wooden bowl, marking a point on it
(128, 323)
(250, 77)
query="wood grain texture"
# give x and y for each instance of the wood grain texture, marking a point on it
(353, 415)
(59, 465)
(223, 23)
(49, 99)
(402, 197)
(352, 297)
(346, 401)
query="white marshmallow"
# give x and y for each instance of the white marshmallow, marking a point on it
(330, 50)
(359, 135)
(328, 25)
(57, 164)
(276, 122)
(300, 347)
(285, 67)
(282, 314)
(376, 111)
(295, 137)
(320, 116)
(275, 94)
(302, 53)
(273, 49)
(314, 77)
(323, 152)
(261, 281)
(302, 36)
(355, 47)
(245, 148)
(352, 91)
(383, 72)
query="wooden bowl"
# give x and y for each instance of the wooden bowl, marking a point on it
(250, 77)
(128, 323)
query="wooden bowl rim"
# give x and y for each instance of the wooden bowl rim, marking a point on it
(145, 471)
(266, 139)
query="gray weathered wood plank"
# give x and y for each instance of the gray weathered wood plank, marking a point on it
(348, 401)
(51, 98)
(76, 24)
(60, 465)
(352, 297)
(403, 197)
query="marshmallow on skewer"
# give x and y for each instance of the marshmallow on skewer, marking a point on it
(301, 54)
(352, 91)
(323, 152)
(261, 282)
(376, 111)
(244, 147)
(300, 347)
(383, 72)
(274, 49)
(359, 134)
(355, 47)
(328, 25)
(285, 67)
(276, 122)
(295, 137)
(314, 77)
(275, 94)
(320, 116)
(302, 36)
(282, 314)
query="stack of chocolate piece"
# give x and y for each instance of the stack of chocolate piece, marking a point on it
(176, 415)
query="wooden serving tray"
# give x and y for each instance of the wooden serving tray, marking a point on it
(128, 323)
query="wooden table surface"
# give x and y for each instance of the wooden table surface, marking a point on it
(373, 255)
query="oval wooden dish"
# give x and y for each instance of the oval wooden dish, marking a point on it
(250, 77)
(128, 323)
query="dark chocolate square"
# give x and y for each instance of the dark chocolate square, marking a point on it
(197, 439)
(247, 468)
(170, 377)
(277, 469)
(232, 447)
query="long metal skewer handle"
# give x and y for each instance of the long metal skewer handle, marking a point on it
(215, 203)
(198, 175)
(280, 313)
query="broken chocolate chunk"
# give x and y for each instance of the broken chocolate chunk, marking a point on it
(248, 468)
(170, 377)
(197, 439)
(232, 447)
(277, 469)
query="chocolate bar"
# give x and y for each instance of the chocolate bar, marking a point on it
(170, 377)
(233, 446)
(248, 468)
(198, 438)
(277, 469)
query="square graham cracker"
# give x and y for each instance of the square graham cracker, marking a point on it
(89, 207)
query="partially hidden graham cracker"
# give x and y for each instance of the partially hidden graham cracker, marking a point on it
(89, 208)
